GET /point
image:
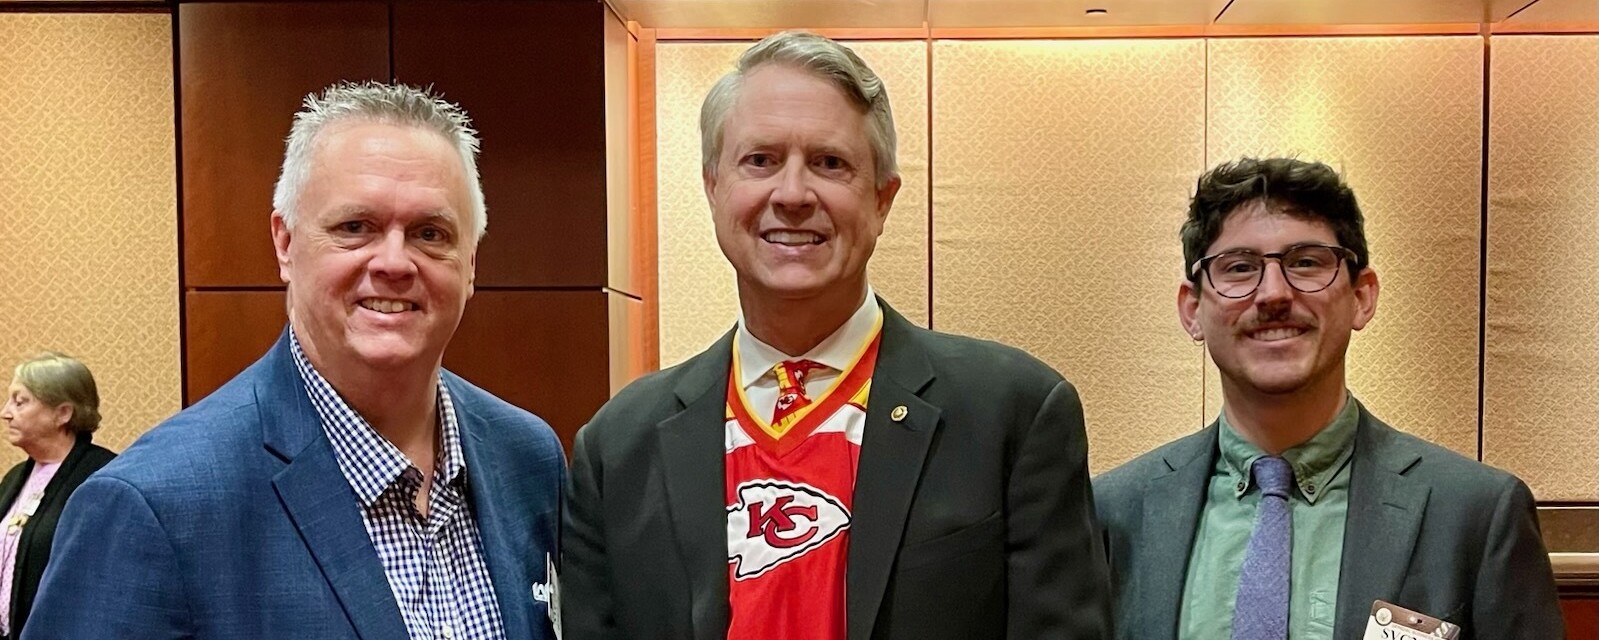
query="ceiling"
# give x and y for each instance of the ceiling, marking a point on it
(881, 14)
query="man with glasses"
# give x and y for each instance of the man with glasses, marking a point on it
(1297, 509)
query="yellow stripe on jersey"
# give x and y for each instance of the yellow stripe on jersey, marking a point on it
(860, 397)
(777, 431)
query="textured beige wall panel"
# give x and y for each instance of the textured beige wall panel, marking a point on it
(1541, 369)
(1063, 171)
(698, 297)
(88, 207)
(1402, 118)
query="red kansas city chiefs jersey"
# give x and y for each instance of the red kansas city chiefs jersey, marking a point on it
(789, 494)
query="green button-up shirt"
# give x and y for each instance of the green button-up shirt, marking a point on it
(1321, 471)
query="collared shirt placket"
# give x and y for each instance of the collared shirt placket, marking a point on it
(435, 566)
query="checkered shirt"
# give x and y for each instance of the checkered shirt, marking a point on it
(435, 565)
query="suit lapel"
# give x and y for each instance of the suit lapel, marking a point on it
(12, 486)
(319, 501)
(693, 448)
(891, 460)
(54, 497)
(1385, 512)
(504, 545)
(1172, 504)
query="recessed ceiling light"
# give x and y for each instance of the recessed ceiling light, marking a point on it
(1097, 12)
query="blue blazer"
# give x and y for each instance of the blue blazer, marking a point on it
(231, 520)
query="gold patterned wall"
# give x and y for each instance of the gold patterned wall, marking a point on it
(1402, 118)
(1541, 367)
(698, 300)
(1063, 169)
(88, 211)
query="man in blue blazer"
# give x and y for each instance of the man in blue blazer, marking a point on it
(344, 486)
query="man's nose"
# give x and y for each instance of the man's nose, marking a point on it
(793, 190)
(1274, 285)
(392, 257)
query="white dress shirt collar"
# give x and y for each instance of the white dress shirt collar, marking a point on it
(837, 352)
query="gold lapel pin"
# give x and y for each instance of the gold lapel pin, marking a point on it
(899, 413)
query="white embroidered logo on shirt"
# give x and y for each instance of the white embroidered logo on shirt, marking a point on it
(774, 522)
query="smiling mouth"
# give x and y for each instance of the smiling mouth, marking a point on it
(386, 306)
(793, 238)
(1275, 334)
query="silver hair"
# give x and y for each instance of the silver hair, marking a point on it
(369, 101)
(827, 60)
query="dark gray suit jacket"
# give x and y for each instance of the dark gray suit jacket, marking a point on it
(1427, 529)
(972, 516)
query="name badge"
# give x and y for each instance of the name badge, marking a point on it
(549, 593)
(1393, 622)
(31, 505)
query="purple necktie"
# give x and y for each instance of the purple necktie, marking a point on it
(1261, 610)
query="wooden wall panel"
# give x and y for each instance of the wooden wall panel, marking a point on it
(226, 331)
(1401, 117)
(1541, 368)
(623, 242)
(1062, 174)
(543, 351)
(531, 74)
(88, 208)
(244, 68)
(627, 339)
(1582, 617)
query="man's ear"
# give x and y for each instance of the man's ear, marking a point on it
(1188, 294)
(280, 244)
(885, 197)
(708, 180)
(1366, 289)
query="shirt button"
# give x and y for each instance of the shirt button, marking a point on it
(1240, 485)
(1310, 488)
(447, 632)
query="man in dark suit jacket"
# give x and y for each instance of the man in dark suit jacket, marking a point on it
(344, 486)
(949, 501)
(1372, 513)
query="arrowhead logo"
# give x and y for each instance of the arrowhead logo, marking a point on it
(774, 522)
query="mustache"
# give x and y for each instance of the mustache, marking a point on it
(1276, 316)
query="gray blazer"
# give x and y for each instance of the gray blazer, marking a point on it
(1427, 529)
(973, 515)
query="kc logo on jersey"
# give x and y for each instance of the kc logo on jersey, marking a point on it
(774, 522)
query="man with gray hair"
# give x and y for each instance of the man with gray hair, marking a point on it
(345, 485)
(828, 470)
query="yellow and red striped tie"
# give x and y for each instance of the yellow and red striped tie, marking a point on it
(791, 390)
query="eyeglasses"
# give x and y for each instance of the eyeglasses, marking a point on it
(1306, 267)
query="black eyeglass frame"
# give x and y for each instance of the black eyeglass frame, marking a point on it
(1202, 265)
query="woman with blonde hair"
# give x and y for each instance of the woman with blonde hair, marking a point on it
(51, 411)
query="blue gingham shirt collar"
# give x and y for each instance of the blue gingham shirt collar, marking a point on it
(369, 461)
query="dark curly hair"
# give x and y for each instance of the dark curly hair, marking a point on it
(1308, 190)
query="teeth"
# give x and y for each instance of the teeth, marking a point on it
(792, 238)
(1281, 333)
(386, 306)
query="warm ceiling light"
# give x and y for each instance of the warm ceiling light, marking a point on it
(1096, 12)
